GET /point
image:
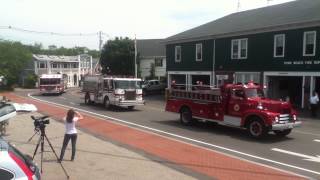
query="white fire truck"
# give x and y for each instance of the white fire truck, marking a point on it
(124, 92)
(52, 84)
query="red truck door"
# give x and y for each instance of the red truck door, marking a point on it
(236, 102)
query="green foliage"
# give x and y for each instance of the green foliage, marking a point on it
(13, 58)
(117, 57)
(30, 81)
(54, 50)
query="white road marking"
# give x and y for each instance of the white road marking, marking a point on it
(194, 140)
(306, 157)
(317, 140)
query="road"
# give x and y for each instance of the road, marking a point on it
(299, 152)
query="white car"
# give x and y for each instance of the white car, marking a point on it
(13, 163)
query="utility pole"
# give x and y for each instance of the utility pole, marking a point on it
(100, 41)
(238, 6)
(135, 57)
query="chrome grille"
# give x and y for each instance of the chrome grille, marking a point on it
(130, 95)
(49, 88)
(285, 118)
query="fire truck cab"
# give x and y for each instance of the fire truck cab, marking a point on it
(237, 105)
(123, 92)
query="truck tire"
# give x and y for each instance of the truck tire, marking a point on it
(256, 128)
(283, 133)
(106, 102)
(87, 99)
(130, 108)
(186, 116)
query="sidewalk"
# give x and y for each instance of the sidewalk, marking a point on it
(95, 158)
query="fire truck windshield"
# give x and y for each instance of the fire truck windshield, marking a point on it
(253, 93)
(48, 81)
(122, 84)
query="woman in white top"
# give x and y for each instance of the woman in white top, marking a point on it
(71, 132)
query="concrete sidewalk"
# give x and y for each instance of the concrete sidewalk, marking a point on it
(95, 158)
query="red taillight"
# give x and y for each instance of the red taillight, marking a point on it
(22, 165)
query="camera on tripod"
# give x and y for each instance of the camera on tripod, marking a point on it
(40, 122)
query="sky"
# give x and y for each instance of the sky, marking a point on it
(145, 19)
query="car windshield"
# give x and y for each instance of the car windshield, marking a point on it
(252, 93)
(125, 84)
(46, 81)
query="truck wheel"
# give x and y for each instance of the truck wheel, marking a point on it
(87, 99)
(186, 116)
(106, 103)
(283, 133)
(256, 128)
(130, 108)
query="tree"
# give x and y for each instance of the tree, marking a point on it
(14, 57)
(118, 56)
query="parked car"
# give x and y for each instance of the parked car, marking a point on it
(16, 165)
(152, 87)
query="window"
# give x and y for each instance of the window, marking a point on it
(54, 65)
(237, 93)
(198, 52)
(279, 44)
(309, 43)
(6, 109)
(158, 62)
(65, 65)
(74, 65)
(42, 65)
(239, 48)
(178, 54)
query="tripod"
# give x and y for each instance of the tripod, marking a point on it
(41, 140)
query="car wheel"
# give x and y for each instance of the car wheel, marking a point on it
(186, 116)
(283, 133)
(106, 103)
(257, 129)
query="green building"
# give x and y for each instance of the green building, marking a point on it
(278, 46)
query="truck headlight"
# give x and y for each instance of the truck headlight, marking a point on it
(276, 119)
(260, 106)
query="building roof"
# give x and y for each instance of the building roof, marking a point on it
(41, 57)
(291, 13)
(150, 47)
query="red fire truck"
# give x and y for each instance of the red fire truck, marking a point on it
(52, 84)
(237, 105)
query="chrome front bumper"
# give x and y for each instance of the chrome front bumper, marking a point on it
(129, 103)
(286, 125)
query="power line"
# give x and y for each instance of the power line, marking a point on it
(50, 33)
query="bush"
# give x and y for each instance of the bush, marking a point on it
(30, 81)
